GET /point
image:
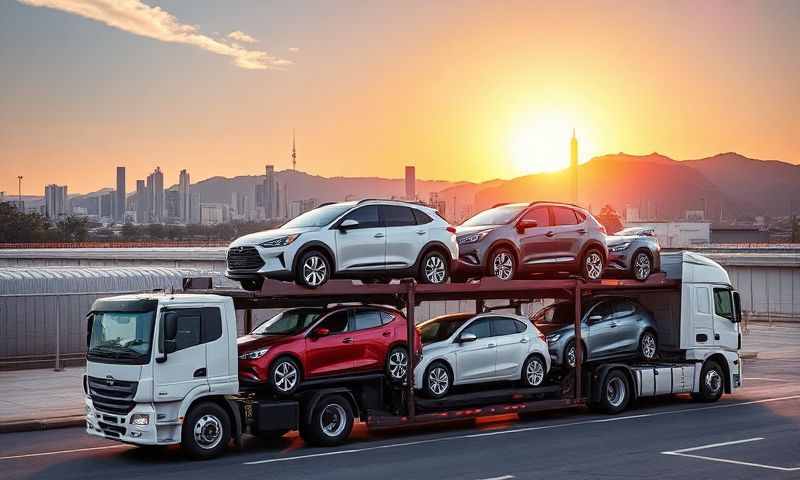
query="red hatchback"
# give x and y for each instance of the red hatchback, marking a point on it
(308, 343)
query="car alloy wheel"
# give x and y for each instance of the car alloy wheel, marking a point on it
(534, 372)
(503, 265)
(648, 346)
(594, 265)
(435, 270)
(438, 380)
(398, 364)
(641, 266)
(285, 376)
(208, 431)
(315, 271)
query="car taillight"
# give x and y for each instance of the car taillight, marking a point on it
(542, 337)
(451, 229)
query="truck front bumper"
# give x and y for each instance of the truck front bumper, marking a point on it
(119, 427)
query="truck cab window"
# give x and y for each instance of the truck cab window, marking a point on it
(723, 305)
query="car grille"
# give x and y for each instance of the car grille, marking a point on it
(244, 258)
(115, 398)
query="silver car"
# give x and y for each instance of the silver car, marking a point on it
(634, 251)
(466, 348)
(611, 327)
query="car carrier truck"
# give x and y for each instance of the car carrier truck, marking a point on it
(178, 384)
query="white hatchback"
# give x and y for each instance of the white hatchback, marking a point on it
(369, 239)
(467, 348)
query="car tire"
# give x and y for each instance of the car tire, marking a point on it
(206, 431)
(712, 383)
(534, 371)
(592, 264)
(641, 265)
(615, 393)
(313, 269)
(284, 376)
(438, 380)
(648, 346)
(397, 364)
(252, 285)
(331, 422)
(434, 268)
(503, 264)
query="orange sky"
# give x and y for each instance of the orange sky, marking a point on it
(464, 91)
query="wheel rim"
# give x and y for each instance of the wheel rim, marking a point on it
(208, 431)
(594, 266)
(535, 372)
(398, 364)
(571, 356)
(285, 377)
(314, 270)
(435, 271)
(503, 266)
(713, 381)
(648, 346)
(641, 267)
(615, 392)
(438, 380)
(333, 420)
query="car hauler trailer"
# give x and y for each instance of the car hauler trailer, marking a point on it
(182, 386)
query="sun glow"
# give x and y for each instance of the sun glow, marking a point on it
(541, 144)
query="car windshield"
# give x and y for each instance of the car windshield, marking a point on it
(441, 329)
(633, 231)
(289, 322)
(319, 217)
(121, 336)
(495, 216)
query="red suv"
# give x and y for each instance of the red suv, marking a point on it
(308, 343)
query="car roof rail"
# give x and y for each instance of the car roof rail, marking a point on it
(501, 204)
(325, 204)
(412, 202)
(566, 204)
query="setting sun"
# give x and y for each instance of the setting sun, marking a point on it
(541, 145)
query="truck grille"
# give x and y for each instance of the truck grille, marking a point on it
(114, 398)
(244, 258)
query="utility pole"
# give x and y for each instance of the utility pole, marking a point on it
(19, 178)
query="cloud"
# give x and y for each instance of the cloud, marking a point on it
(240, 36)
(294, 49)
(135, 17)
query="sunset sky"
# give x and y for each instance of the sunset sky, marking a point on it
(463, 90)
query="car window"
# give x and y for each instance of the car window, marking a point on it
(521, 327)
(540, 214)
(366, 216)
(336, 322)
(421, 217)
(564, 216)
(366, 319)
(503, 326)
(624, 308)
(480, 328)
(386, 317)
(723, 305)
(603, 309)
(396, 216)
(581, 216)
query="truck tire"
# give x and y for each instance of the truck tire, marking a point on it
(331, 422)
(712, 383)
(206, 431)
(615, 393)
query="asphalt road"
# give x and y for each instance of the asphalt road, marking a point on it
(753, 433)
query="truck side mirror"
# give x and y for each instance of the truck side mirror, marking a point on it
(169, 332)
(737, 307)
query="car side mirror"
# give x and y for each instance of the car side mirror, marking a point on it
(467, 337)
(321, 332)
(348, 224)
(595, 318)
(523, 225)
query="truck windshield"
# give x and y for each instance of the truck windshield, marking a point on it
(289, 322)
(121, 337)
(496, 216)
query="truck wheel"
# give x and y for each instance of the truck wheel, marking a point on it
(615, 393)
(534, 371)
(437, 380)
(331, 422)
(397, 364)
(206, 431)
(711, 383)
(284, 376)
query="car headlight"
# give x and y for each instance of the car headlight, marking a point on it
(472, 237)
(280, 242)
(255, 354)
(553, 338)
(620, 247)
(140, 419)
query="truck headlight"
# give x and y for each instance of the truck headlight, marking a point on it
(471, 237)
(254, 354)
(140, 419)
(553, 338)
(280, 242)
(620, 247)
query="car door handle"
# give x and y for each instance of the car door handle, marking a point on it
(347, 340)
(550, 234)
(421, 232)
(716, 336)
(386, 334)
(613, 325)
(379, 235)
(582, 231)
(200, 373)
(524, 340)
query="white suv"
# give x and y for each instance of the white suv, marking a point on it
(369, 239)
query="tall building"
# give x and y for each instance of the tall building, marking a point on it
(238, 205)
(119, 204)
(141, 202)
(269, 192)
(573, 168)
(107, 201)
(194, 207)
(155, 191)
(55, 201)
(172, 203)
(213, 213)
(183, 189)
(411, 183)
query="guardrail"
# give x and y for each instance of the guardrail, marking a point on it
(166, 244)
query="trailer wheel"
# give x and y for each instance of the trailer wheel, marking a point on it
(331, 422)
(711, 383)
(615, 393)
(206, 431)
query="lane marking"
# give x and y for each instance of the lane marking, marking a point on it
(61, 452)
(762, 379)
(504, 477)
(516, 430)
(682, 453)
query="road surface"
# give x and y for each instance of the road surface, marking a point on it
(753, 433)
